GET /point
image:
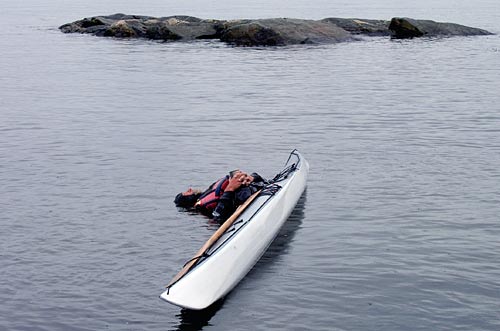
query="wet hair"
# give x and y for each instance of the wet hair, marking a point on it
(186, 201)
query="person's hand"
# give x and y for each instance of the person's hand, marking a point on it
(236, 181)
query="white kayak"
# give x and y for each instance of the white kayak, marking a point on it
(240, 242)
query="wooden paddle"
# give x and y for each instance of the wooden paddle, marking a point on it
(214, 238)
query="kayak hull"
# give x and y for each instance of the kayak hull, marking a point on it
(239, 250)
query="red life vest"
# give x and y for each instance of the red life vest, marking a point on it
(210, 198)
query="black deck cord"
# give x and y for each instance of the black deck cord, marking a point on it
(288, 170)
(284, 173)
(292, 153)
(194, 258)
(270, 189)
(233, 226)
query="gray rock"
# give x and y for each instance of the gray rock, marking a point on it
(281, 32)
(189, 29)
(132, 26)
(261, 32)
(361, 26)
(403, 28)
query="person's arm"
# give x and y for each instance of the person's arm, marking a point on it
(226, 205)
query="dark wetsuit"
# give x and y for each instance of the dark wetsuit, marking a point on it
(230, 200)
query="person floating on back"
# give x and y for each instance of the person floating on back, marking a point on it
(222, 197)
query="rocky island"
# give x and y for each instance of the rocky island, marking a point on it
(263, 32)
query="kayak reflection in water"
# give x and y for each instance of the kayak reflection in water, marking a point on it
(221, 198)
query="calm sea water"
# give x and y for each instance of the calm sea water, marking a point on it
(399, 226)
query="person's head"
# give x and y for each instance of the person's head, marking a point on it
(187, 199)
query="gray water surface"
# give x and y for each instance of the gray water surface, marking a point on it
(399, 226)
